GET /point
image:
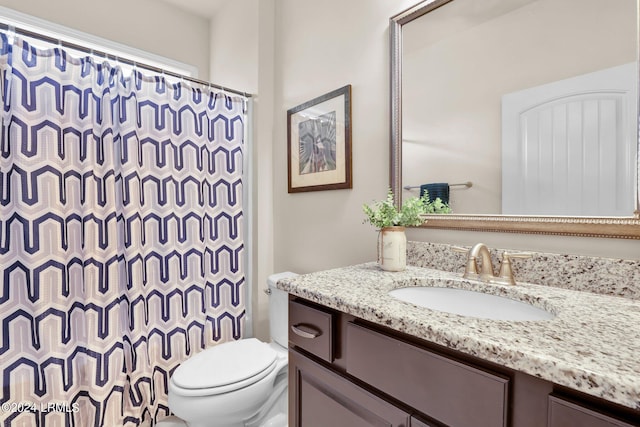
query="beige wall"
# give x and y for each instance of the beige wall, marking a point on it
(234, 42)
(153, 26)
(321, 46)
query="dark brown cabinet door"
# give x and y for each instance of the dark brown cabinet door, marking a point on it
(452, 392)
(563, 413)
(318, 397)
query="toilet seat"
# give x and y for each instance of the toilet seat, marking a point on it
(226, 367)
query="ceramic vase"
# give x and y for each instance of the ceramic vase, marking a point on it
(392, 249)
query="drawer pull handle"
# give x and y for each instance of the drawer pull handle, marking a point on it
(306, 331)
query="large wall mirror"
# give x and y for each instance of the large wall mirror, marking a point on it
(526, 110)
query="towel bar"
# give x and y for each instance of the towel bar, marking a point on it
(467, 184)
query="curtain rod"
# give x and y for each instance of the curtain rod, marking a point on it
(105, 55)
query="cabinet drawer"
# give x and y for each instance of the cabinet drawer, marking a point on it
(444, 389)
(311, 329)
(563, 413)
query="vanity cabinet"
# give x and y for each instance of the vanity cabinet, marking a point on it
(344, 371)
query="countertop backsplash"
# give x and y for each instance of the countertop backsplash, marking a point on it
(615, 277)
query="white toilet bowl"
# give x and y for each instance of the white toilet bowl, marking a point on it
(206, 394)
(239, 383)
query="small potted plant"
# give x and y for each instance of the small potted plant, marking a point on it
(392, 241)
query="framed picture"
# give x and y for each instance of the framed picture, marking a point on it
(319, 143)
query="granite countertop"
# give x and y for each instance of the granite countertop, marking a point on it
(592, 345)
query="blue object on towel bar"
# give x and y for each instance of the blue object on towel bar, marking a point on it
(435, 190)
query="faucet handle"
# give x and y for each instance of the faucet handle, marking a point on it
(506, 272)
(460, 249)
(517, 255)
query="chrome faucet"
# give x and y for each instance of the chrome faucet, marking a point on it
(486, 273)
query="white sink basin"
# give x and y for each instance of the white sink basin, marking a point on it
(470, 303)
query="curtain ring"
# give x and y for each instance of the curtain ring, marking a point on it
(12, 34)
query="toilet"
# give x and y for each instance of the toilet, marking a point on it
(238, 383)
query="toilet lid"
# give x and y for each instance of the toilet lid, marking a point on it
(225, 364)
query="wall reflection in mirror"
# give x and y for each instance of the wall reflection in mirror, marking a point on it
(533, 101)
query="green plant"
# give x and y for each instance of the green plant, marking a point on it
(384, 213)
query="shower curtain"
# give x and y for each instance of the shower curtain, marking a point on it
(121, 236)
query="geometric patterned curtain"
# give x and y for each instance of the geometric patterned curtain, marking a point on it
(121, 236)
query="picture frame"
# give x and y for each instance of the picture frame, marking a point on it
(319, 143)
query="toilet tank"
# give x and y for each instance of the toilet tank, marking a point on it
(279, 309)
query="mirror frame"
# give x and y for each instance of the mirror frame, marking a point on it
(612, 227)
